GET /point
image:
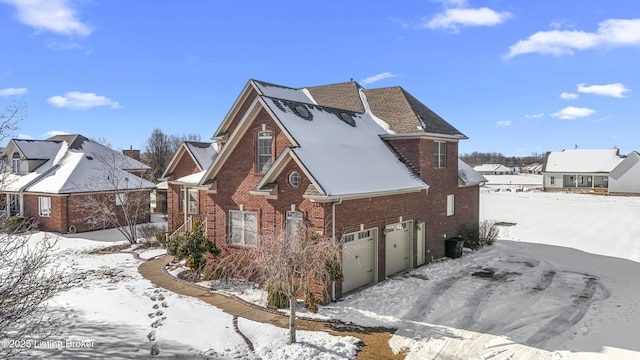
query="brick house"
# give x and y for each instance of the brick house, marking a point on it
(49, 180)
(375, 168)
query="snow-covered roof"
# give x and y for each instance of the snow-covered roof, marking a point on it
(629, 162)
(90, 167)
(192, 178)
(283, 92)
(204, 153)
(583, 160)
(37, 149)
(491, 168)
(468, 175)
(342, 150)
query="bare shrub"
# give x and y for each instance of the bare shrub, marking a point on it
(478, 236)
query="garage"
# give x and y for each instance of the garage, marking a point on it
(358, 259)
(397, 247)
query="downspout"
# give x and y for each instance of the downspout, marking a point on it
(333, 236)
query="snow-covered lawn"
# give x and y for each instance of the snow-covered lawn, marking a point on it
(560, 284)
(114, 313)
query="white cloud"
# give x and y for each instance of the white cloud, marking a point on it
(52, 133)
(571, 112)
(378, 77)
(615, 90)
(24, 136)
(568, 96)
(504, 123)
(611, 33)
(79, 100)
(13, 91)
(454, 19)
(50, 15)
(534, 116)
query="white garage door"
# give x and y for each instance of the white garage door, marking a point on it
(397, 247)
(358, 259)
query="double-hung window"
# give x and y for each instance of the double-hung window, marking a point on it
(439, 154)
(243, 227)
(451, 205)
(44, 206)
(293, 223)
(193, 201)
(264, 155)
(15, 163)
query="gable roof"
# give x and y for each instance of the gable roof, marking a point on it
(202, 153)
(468, 175)
(492, 168)
(342, 150)
(582, 160)
(625, 165)
(68, 169)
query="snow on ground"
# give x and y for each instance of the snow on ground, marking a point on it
(114, 313)
(561, 284)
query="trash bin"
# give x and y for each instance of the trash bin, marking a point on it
(453, 247)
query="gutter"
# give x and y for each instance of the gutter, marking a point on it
(332, 198)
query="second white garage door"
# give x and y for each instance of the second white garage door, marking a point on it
(397, 247)
(358, 259)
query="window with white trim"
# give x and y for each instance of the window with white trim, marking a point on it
(439, 154)
(181, 199)
(264, 151)
(193, 201)
(552, 180)
(293, 222)
(121, 199)
(243, 227)
(294, 179)
(15, 162)
(451, 205)
(44, 206)
(14, 204)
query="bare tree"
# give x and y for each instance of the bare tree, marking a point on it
(29, 276)
(291, 263)
(123, 199)
(160, 148)
(28, 273)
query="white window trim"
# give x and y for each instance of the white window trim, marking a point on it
(243, 234)
(293, 217)
(121, 199)
(439, 154)
(15, 163)
(44, 206)
(260, 166)
(451, 205)
(193, 205)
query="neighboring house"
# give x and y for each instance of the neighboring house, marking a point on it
(579, 168)
(625, 178)
(494, 169)
(375, 168)
(48, 180)
(535, 168)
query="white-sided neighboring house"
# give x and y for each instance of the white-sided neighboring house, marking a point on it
(494, 169)
(580, 169)
(47, 180)
(625, 178)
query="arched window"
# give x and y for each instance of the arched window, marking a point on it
(264, 156)
(15, 163)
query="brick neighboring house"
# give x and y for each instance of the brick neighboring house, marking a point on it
(375, 168)
(48, 179)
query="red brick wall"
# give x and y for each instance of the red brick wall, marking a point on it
(57, 222)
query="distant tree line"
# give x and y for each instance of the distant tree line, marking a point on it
(479, 158)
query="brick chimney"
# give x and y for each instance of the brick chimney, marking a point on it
(134, 154)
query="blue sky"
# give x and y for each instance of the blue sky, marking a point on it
(516, 77)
